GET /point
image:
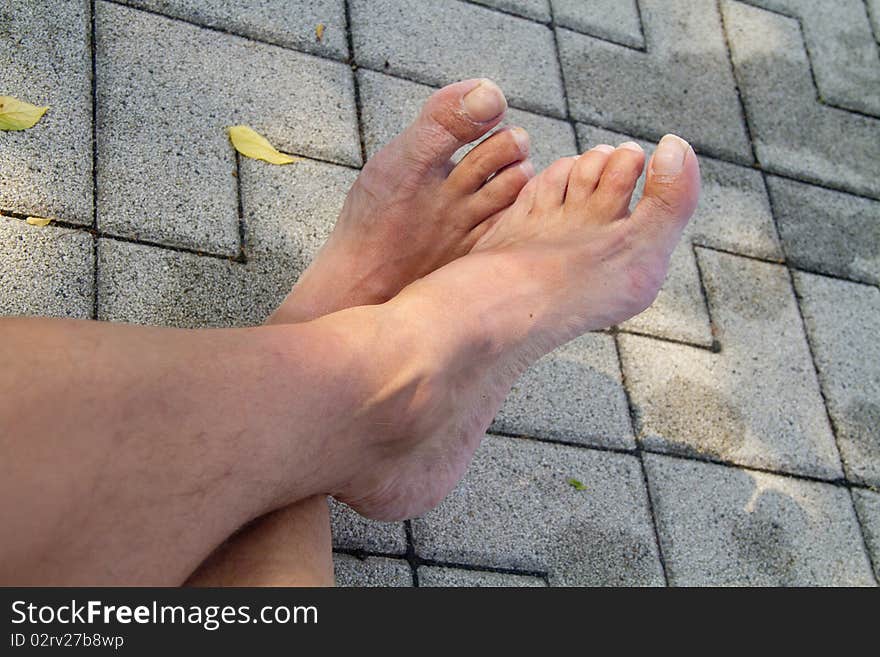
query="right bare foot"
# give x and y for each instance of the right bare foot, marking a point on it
(567, 257)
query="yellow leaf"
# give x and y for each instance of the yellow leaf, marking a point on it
(252, 144)
(39, 221)
(319, 31)
(16, 114)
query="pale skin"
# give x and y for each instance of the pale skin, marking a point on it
(157, 444)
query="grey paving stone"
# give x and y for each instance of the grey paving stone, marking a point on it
(574, 394)
(412, 39)
(681, 84)
(371, 571)
(793, 133)
(46, 271)
(757, 403)
(45, 59)
(164, 160)
(842, 50)
(389, 104)
(538, 10)
(827, 231)
(515, 509)
(612, 20)
(437, 576)
(874, 14)
(733, 214)
(868, 509)
(352, 531)
(843, 320)
(722, 526)
(290, 23)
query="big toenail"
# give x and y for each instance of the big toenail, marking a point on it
(521, 137)
(527, 167)
(603, 148)
(484, 102)
(631, 146)
(669, 156)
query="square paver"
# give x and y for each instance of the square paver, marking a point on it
(722, 526)
(167, 91)
(45, 271)
(412, 39)
(826, 231)
(681, 84)
(515, 509)
(437, 576)
(389, 105)
(868, 507)
(613, 20)
(354, 532)
(757, 402)
(371, 571)
(573, 394)
(45, 59)
(793, 132)
(290, 23)
(842, 322)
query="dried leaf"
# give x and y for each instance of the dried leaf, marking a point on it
(319, 31)
(16, 114)
(577, 485)
(39, 221)
(252, 144)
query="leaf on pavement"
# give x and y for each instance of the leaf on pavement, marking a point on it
(39, 221)
(319, 31)
(16, 114)
(577, 485)
(251, 144)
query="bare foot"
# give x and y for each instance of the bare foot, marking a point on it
(567, 257)
(411, 209)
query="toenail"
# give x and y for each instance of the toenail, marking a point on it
(527, 168)
(521, 137)
(669, 157)
(631, 146)
(484, 102)
(603, 148)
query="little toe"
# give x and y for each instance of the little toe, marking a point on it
(551, 185)
(498, 151)
(501, 190)
(613, 193)
(585, 176)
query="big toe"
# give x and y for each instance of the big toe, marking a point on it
(453, 116)
(672, 190)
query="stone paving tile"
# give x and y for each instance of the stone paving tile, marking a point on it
(389, 104)
(868, 508)
(371, 571)
(733, 214)
(412, 39)
(681, 84)
(827, 231)
(45, 60)
(757, 403)
(538, 10)
(46, 271)
(352, 531)
(612, 20)
(515, 509)
(722, 526)
(842, 49)
(289, 23)
(792, 131)
(573, 394)
(436, 576)
(874, 14)
(191, 84)
(842, 321)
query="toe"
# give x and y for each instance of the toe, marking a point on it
(614, 191)
(452, 117)
(501, 191)
(585, 176)
(672, 190)
(501, 149)
(551, 184)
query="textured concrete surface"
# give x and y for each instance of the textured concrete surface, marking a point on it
(436, 576)
(187, 234)
(842, 321)
(574, 394)
(723, 526)
(757, 403)
(598, 536)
